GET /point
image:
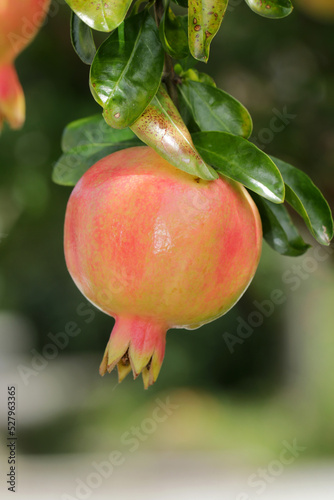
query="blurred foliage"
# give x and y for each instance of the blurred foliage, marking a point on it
(284, 66)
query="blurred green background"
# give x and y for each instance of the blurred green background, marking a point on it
(233, 410)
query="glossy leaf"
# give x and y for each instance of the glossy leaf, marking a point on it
(103, 15)
(215, 110)
(204, 20)
(173, 34)
(274, 9)
(242, 161)
(92, 130)
(308, 201)
(127, 69)
(278, 229)
(186, 113)
(162, 128)
(85, 142)
(82, 39)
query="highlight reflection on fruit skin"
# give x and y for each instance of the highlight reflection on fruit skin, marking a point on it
(157, 248)
(20, 20)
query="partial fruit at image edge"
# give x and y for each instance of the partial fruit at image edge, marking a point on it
(318, 9)
(157, 248)
(20, 20)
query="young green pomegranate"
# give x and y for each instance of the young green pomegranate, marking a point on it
(157, 248)
(19, 22)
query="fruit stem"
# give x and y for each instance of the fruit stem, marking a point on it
(158, 11)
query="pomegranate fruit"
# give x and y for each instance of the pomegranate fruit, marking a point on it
(157, 248)
(19, 22)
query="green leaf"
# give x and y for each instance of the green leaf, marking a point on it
(308, 201)
(242, 161)
(82, 39)
(186, 113)
(173, 34)
(204, 20)
(127, 69)
(215, 110)
(162, 128)
(92, 130)
(278, 229)
(182, 3)
(85, 142)
(196, 76)
(274, 9)
(103, 15)
(188, 62)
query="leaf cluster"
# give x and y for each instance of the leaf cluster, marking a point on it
(143, 76)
